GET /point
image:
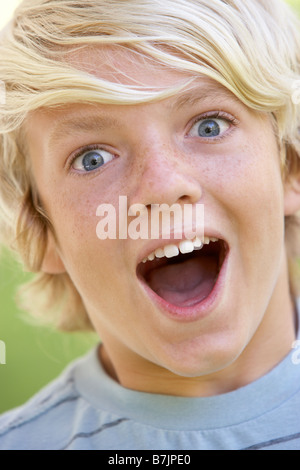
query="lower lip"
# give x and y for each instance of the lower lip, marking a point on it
(197, 311)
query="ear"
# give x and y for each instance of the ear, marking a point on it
(292, 195)
(52, 262)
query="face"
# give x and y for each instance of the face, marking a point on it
(197, 316)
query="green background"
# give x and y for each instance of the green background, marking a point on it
(295, 4)
(34, 355)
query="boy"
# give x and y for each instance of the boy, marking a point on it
(181, 102)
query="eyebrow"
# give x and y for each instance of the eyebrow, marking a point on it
(95, 122)
(205, 93)
(80, 123)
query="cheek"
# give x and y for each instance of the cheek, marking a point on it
(250, 185)
(74, 220)
(91, 263)
(254, 202)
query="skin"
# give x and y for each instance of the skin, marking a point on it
(158, 158)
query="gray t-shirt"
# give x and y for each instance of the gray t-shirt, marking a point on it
(85, 409)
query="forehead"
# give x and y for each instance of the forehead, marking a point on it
(128, 68)
(125, 66)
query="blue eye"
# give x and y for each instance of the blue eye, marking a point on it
(92, 160)
(209, 128)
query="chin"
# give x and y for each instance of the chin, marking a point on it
(203, 356)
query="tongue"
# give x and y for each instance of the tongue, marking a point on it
(185, 284)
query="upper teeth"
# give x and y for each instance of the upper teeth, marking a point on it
(184, 247)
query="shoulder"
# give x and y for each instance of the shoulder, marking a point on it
(74, 411)
(44, 421)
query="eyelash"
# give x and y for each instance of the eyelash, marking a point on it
(80, 152)
(216, 115)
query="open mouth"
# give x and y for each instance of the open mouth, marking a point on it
(186, 275)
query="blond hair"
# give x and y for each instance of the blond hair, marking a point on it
(252, 48)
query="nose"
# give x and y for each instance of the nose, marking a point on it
(164, 176)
